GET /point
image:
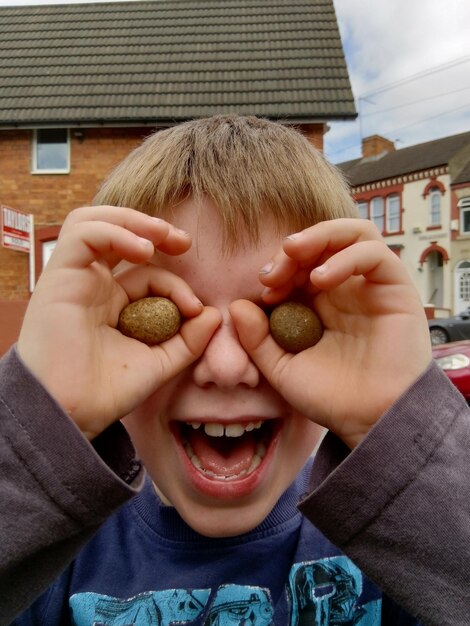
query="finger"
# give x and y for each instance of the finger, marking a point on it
(280, 268)
(164, 235)
(188, 345)
(299, 282)
(252, 326)
(90, 241)
(314, 245)
(332, 236)
(130, 219)
(144, 280)
(371, 259)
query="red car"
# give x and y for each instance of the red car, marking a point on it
(454, 359)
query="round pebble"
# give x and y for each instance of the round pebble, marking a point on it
(150, 320)
(295, 327)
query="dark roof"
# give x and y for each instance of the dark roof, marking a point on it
(416, 158)
(170, 60)
(463, 176)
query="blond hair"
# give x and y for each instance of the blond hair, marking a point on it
(251, 168)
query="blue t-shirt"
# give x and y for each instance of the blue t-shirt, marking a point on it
(147, 567)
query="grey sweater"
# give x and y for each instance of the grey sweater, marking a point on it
(398, 505)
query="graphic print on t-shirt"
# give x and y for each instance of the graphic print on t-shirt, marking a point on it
(326, 592)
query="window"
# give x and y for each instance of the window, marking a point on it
(464, 206)
(393, 213)
(51, 151)
(435, 207)
(377, 213)
(45, 239)
(383, 211)
(47, 250)
(464, 283)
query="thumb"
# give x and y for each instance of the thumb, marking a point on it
(252, 327)
(188, 345)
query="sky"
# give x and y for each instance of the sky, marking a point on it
(409, 66)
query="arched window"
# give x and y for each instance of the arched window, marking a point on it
(435, 207)
(464, 285)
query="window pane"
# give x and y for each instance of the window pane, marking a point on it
(435, 213)
(52, 149)
(466, 220)
(363, 210)
(464, 286)
(393, 213)
(377, 213)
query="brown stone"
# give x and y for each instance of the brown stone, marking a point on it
(295, 327)
(150, 320)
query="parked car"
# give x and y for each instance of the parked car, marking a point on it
(454, 359)
(448, 329)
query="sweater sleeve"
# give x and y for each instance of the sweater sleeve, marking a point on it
(399, 504)
(55, 487)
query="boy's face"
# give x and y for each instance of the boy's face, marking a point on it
(220, 444)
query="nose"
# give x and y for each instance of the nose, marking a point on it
(224, 362)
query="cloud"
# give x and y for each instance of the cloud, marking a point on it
(419, 51)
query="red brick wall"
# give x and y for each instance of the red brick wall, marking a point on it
(49, 197)
(11, 318)
(314, 133)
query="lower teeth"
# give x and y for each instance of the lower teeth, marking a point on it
(255, 462)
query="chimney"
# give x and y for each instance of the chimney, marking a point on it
(375, 147)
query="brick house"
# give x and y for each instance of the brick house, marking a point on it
(81, 86)
(419, 197)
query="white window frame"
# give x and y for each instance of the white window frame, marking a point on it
(47, 250)
(392, 217)
(378, 218)
(38, 170)
(464, 209)
(433, 213)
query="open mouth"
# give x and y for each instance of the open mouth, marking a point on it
(227, 452)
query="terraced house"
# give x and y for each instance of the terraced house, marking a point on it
(81, 85)
(419, 198)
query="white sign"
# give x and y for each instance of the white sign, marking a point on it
(16, 229)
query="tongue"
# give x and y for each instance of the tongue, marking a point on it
(225, 456)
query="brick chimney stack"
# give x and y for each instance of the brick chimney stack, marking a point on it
(375, 146)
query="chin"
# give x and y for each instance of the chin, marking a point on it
(231, 522)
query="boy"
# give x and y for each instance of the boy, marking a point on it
(224, 420)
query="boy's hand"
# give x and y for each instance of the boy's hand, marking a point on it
(69, 338)
(376, 339)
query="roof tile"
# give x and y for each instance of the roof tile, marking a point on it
(172, 60)
(415, 158)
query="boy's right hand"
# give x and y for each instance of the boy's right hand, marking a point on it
(69, 338)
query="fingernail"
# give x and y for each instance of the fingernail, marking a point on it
(294, 236)
(182, 232)
(321, 269)
(146, 243)
(266, 269)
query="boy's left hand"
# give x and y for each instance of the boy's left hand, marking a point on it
(376, 339)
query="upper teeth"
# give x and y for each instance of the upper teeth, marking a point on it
(213, 429)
